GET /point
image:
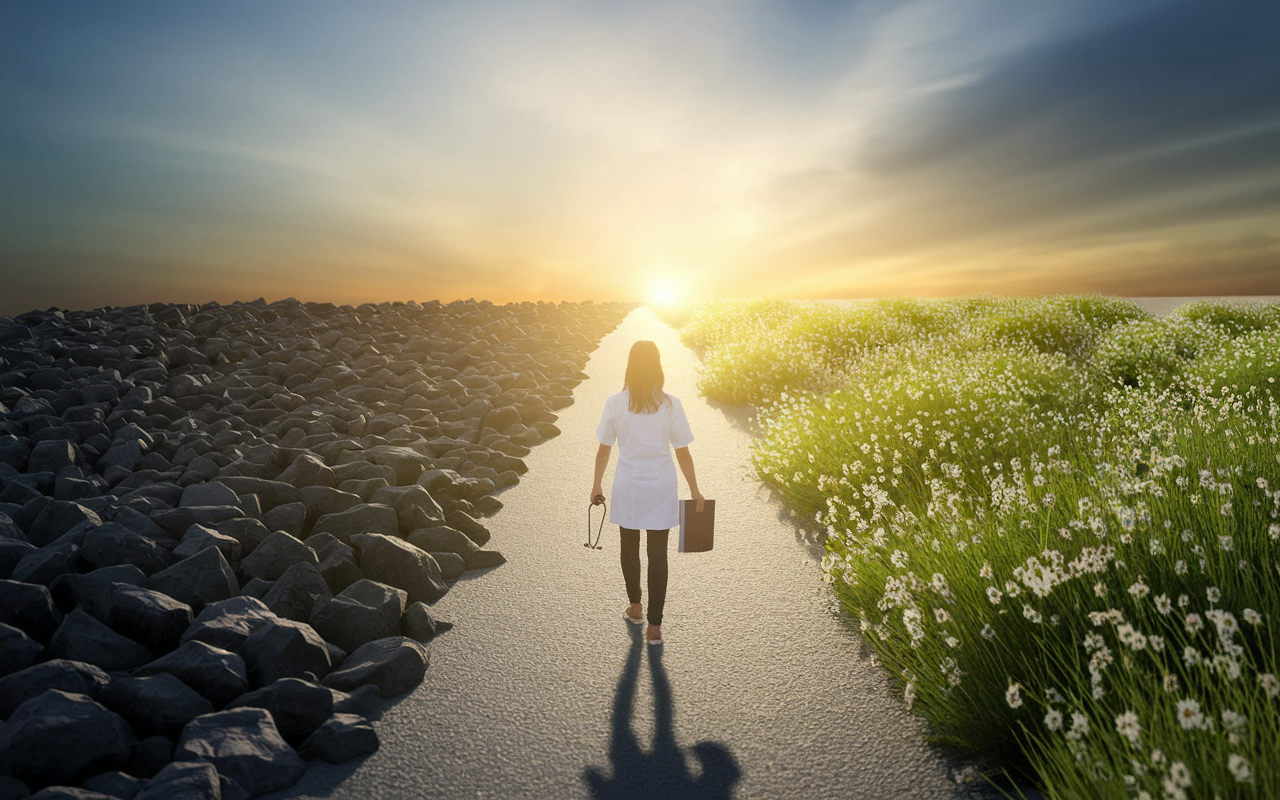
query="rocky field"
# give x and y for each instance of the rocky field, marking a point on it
(222, 527)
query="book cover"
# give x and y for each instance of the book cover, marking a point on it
(697, 531)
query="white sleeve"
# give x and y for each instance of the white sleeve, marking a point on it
(605, 433)
(681, 433)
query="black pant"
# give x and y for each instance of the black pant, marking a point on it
(657, 551)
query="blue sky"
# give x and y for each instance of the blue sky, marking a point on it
(569, 150)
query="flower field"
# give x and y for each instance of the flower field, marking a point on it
(1056, 519)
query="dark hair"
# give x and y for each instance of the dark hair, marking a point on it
(644, 379)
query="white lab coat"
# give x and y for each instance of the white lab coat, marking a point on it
(645, 492)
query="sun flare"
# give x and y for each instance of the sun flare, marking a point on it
(665, 293)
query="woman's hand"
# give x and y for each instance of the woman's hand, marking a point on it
(597, 495)
(697, 495)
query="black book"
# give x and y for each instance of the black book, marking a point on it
(697, 531)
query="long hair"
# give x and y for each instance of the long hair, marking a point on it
(644, 379)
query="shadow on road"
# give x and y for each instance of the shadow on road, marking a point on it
(663, 771)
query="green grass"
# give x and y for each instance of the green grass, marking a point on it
(1044, 493)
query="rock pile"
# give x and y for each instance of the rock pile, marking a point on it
(222, 527)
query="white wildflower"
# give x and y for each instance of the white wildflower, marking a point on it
(1239, 768)
(1127, 726)
(1053, 719)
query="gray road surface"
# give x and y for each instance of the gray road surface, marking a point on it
(760, 691)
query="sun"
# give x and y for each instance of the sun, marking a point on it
(664, 292)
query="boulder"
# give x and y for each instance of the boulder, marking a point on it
(361, 613)
(198, 537)
(47, 563)
(117, 785)
(340, 738)
(397, 563)
(321, 500)
(124, 454)
(460, 520)
(198, 580)
(256, 588)
(246, 749)
(308, 470)
(451, 565)
(407, 463)
(338, 564)
(481, 559)
(298, 707)
(395, 665)
(150, 756)
(148, 617)
(285, 649)
(110, 545)
(68, 676)
(60, 737)
(54, 455)
(29, 607)
(288, 517)
(183, 780)
(217, 674)
(70, 793)
(275, 555)
(93, 590)
(155, 705)
(295, 593)
(227, 623)
(11, 552)
(12, 789)
(17, 650)
(414, 505)
(270, 493)
(82, 638)
(418, 623)
(176, 521)
(247, 531)
(444, 539)
(364, 518)
(208, 494)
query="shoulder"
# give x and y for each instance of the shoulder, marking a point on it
(614, 399)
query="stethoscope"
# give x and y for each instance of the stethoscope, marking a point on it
(599, 500)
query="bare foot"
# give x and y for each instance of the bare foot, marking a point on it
(654, 633)
(635, 612)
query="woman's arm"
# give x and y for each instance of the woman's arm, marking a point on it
(602, 461)
(686, 466)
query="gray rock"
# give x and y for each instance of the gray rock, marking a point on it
(67, 676)
(183, 780)
(482, 559)
(58, 737)
(155, 705)
(208, 494)
(400, 564)
(308, 470)
(407, 463)
(321, 500)
(256, 587)
(11, 552)
(124, 454)
(364, 701)
(364, 518)
(53, 455)
(340, 738)
(395, 665)
(198, 580)
(176, 521)
(451, 564)
(110, 545)
(12, 789)
(47, 563)
(364, 487)
(285, 649)
(82, 638)
(227, 623)
(298, 707)
(277, 553)
(198, 537)
(92, 590)
(460, 520)
(443, 539)
(414, 505)
(150, 756)
(338, 563)
(270, 493)
(245, 747)
(118, 785)
(247, 531)
(363, 612)
(148, 617)
(17, 650)
(418, 623)
(217, 674)
(139, 523)
(69, 793)
(288, 517)
(295, 593)
(29, 607)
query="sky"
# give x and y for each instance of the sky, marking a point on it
(517, 150)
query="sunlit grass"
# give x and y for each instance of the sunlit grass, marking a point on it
(1055, 519)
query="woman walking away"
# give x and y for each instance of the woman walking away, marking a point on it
(647, 423)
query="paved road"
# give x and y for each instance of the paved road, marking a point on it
(542, 690)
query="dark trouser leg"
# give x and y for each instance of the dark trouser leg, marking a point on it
(657, 552)
(631, 562)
